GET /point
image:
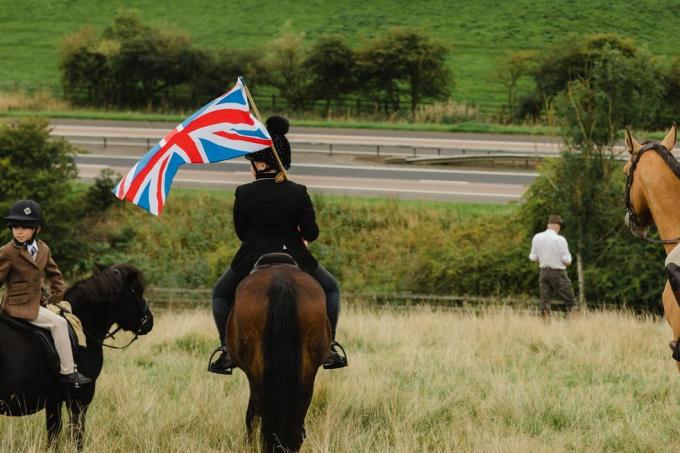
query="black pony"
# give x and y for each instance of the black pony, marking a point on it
(28, 384)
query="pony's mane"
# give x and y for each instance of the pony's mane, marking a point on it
(664, 153)
(100, 287)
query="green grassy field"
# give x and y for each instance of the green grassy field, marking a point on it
(419, 380)
(479, 33)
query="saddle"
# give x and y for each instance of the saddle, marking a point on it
(43, 336)
(272, 259)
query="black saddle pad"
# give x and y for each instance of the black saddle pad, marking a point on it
(270, 259)
(43, 336)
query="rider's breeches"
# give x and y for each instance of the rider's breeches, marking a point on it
(225, 288)
(59, 330)
(223, 301)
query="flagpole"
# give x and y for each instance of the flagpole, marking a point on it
(259, 118)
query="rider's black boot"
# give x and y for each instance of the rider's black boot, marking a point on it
(223, 364)
(335, 359)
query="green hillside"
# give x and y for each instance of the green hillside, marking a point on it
(479, 33)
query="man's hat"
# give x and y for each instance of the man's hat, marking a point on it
(555, 218)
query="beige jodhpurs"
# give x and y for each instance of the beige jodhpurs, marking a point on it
(59, 329)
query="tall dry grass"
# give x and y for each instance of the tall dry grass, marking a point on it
(419, 380)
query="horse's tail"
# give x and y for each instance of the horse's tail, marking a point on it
(282, 362)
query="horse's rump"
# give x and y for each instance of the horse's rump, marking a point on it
(279, 335)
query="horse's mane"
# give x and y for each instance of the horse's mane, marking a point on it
(664, 153)
(101, 286)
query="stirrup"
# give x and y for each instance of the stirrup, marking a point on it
(218, 371)
(343, 357)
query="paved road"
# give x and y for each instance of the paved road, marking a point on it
(347, 174)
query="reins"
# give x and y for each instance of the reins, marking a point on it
(633, 217)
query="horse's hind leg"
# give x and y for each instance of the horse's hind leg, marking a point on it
(78, 410)
(53, 420)
(251, 413)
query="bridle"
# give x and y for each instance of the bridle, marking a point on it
(144, 319)
(634, 222)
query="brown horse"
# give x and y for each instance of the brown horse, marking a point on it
(653, 197)
(279, 335)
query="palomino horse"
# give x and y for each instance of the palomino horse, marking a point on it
(653, 197)
(28, 383)
(279, 335)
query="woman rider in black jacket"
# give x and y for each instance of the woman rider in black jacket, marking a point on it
(272, 214)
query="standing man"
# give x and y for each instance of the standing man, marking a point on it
(551, 252)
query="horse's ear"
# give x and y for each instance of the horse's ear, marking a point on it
(631, 143)
(131, 277)
(100, 267)
(669, 140)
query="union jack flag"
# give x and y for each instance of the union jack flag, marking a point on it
(223, 129)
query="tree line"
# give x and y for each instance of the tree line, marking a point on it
(133, 65)
(614, 81)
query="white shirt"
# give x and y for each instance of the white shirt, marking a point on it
(550, 250)
(33, 245)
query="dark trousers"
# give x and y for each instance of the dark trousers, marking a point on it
(555, 282)
(225, 288)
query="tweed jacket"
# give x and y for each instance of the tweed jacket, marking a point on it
(23, 279)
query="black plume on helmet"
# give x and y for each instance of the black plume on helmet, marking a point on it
(278, 127)
(26, 213)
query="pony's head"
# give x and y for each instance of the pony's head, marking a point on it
(638, 215)
(116, 292)
(131, 309)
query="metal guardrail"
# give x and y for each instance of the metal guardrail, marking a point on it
(334, 148)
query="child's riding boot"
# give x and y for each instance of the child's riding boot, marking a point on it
(75, 379)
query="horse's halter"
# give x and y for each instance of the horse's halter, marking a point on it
(143, 321)
(633, 218)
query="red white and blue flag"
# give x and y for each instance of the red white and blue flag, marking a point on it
(223, 129)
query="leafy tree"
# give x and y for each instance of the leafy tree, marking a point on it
(422, 65)
(129, 65)
(284, 62)
(404, 61)
(511, 69)
(332, 63)
(599, 84)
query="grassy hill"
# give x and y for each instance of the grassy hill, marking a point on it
(479, 33)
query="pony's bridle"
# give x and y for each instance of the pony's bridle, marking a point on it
(633, 218)
(144, 319)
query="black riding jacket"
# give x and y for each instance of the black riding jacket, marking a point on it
(273, 217)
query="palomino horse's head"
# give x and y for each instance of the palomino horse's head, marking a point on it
(638, 215)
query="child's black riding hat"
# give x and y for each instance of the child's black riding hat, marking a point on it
(26, 213)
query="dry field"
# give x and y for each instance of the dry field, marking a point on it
(419, 380)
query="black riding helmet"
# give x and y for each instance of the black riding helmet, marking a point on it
(278, 127)
(25, 213)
